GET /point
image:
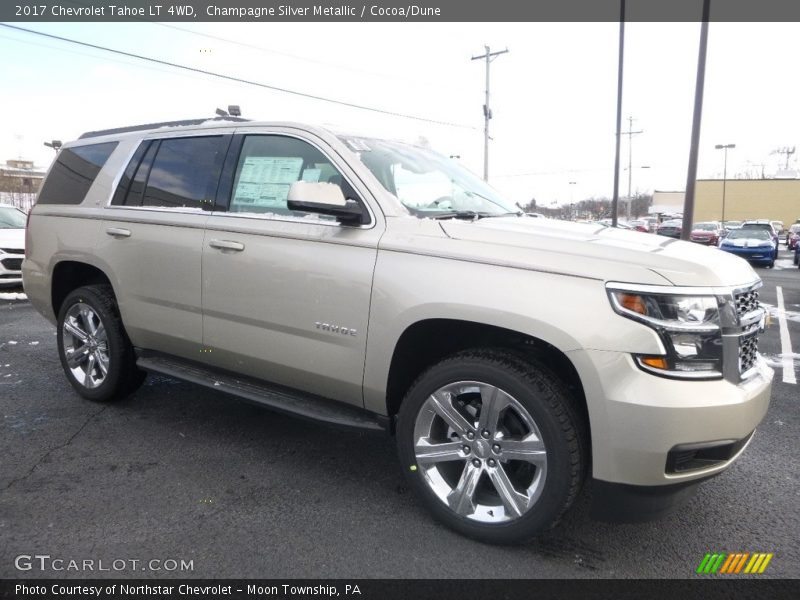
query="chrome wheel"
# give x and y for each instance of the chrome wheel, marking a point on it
(480, 452)
(85, 344)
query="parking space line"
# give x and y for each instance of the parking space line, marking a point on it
(786, 344)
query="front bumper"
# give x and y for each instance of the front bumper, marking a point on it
(765, 254)
(10, 269)
(638, 418)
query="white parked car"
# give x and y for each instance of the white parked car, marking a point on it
(12, 244)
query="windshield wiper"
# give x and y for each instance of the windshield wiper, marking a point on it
(461, 214)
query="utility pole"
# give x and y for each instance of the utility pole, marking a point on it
(691, 173)
(615, 198)
(630, 133)
(488, 56)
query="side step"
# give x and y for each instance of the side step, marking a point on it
(279, 398)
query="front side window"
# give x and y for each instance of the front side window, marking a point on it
(74, 172)
(269, 164)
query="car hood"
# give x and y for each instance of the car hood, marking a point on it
(12, 238)
(748, 241)
(599, 252)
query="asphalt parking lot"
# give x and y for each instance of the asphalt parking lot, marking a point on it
(178, 472)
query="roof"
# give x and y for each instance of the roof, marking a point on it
(163, 124)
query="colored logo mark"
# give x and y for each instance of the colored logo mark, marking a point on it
(734, 563)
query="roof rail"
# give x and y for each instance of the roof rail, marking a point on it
(184, 123)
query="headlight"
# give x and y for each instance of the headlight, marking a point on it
(689, 327)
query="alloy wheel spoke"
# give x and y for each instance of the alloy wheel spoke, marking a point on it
(530, 449)
(443, 405)
(429, 453)
(462, 498)
(493, 401)
(100, 333)
(87, 378)
(75, 331)
(516, 504)
(87, 314)
(76, 357)
(102, 362)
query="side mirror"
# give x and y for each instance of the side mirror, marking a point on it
(325, 199)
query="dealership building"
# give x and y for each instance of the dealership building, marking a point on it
(773, 199)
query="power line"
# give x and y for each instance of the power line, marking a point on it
(238, 79)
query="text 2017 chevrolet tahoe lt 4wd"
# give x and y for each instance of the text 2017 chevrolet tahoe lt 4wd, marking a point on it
(374, 284)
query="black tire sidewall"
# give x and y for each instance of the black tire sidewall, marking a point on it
(117, 343)
(558, 482)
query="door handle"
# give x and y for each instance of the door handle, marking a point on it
(118, 232)
(226, 245)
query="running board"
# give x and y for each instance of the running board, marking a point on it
(281, 399)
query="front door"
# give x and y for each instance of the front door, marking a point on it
(286, 295)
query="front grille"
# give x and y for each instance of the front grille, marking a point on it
(13, 250)
(12, 264)
(748, 350)
(746, 302)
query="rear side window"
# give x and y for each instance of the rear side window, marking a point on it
(172, 173)
(74, 172)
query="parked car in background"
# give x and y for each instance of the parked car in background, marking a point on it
(766, 226)
(640, 225)
(792, 236)
(778, 227)
(753, 244)
(671, 228)
(708, 233)
(12, 244)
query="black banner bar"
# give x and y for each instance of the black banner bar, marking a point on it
(403, 589)
(267, 11)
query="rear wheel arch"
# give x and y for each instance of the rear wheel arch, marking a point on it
(69, 275)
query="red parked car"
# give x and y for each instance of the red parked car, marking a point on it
(707, 233)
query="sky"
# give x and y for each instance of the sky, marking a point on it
(553, 96)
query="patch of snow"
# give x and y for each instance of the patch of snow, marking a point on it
(12, 342)
(33, 343)
(13, 296)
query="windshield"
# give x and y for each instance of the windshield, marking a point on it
(705, 226)
(762, 226)
(750, 234)
(427, 183)
(11, 218)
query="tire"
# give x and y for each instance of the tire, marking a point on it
(536, 415)
(95, 352)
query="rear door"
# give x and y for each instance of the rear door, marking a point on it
(286, 295)
(153, 235)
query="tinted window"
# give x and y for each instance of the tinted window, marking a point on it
(74, 172)
(267, 167)
(121, 195)
(184, 173)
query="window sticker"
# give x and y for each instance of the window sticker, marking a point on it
(265, 180)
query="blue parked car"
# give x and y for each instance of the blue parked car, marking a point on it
(755, 245)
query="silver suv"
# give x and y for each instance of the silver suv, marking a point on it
(377, 285)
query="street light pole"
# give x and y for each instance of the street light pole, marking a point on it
(724, 147)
